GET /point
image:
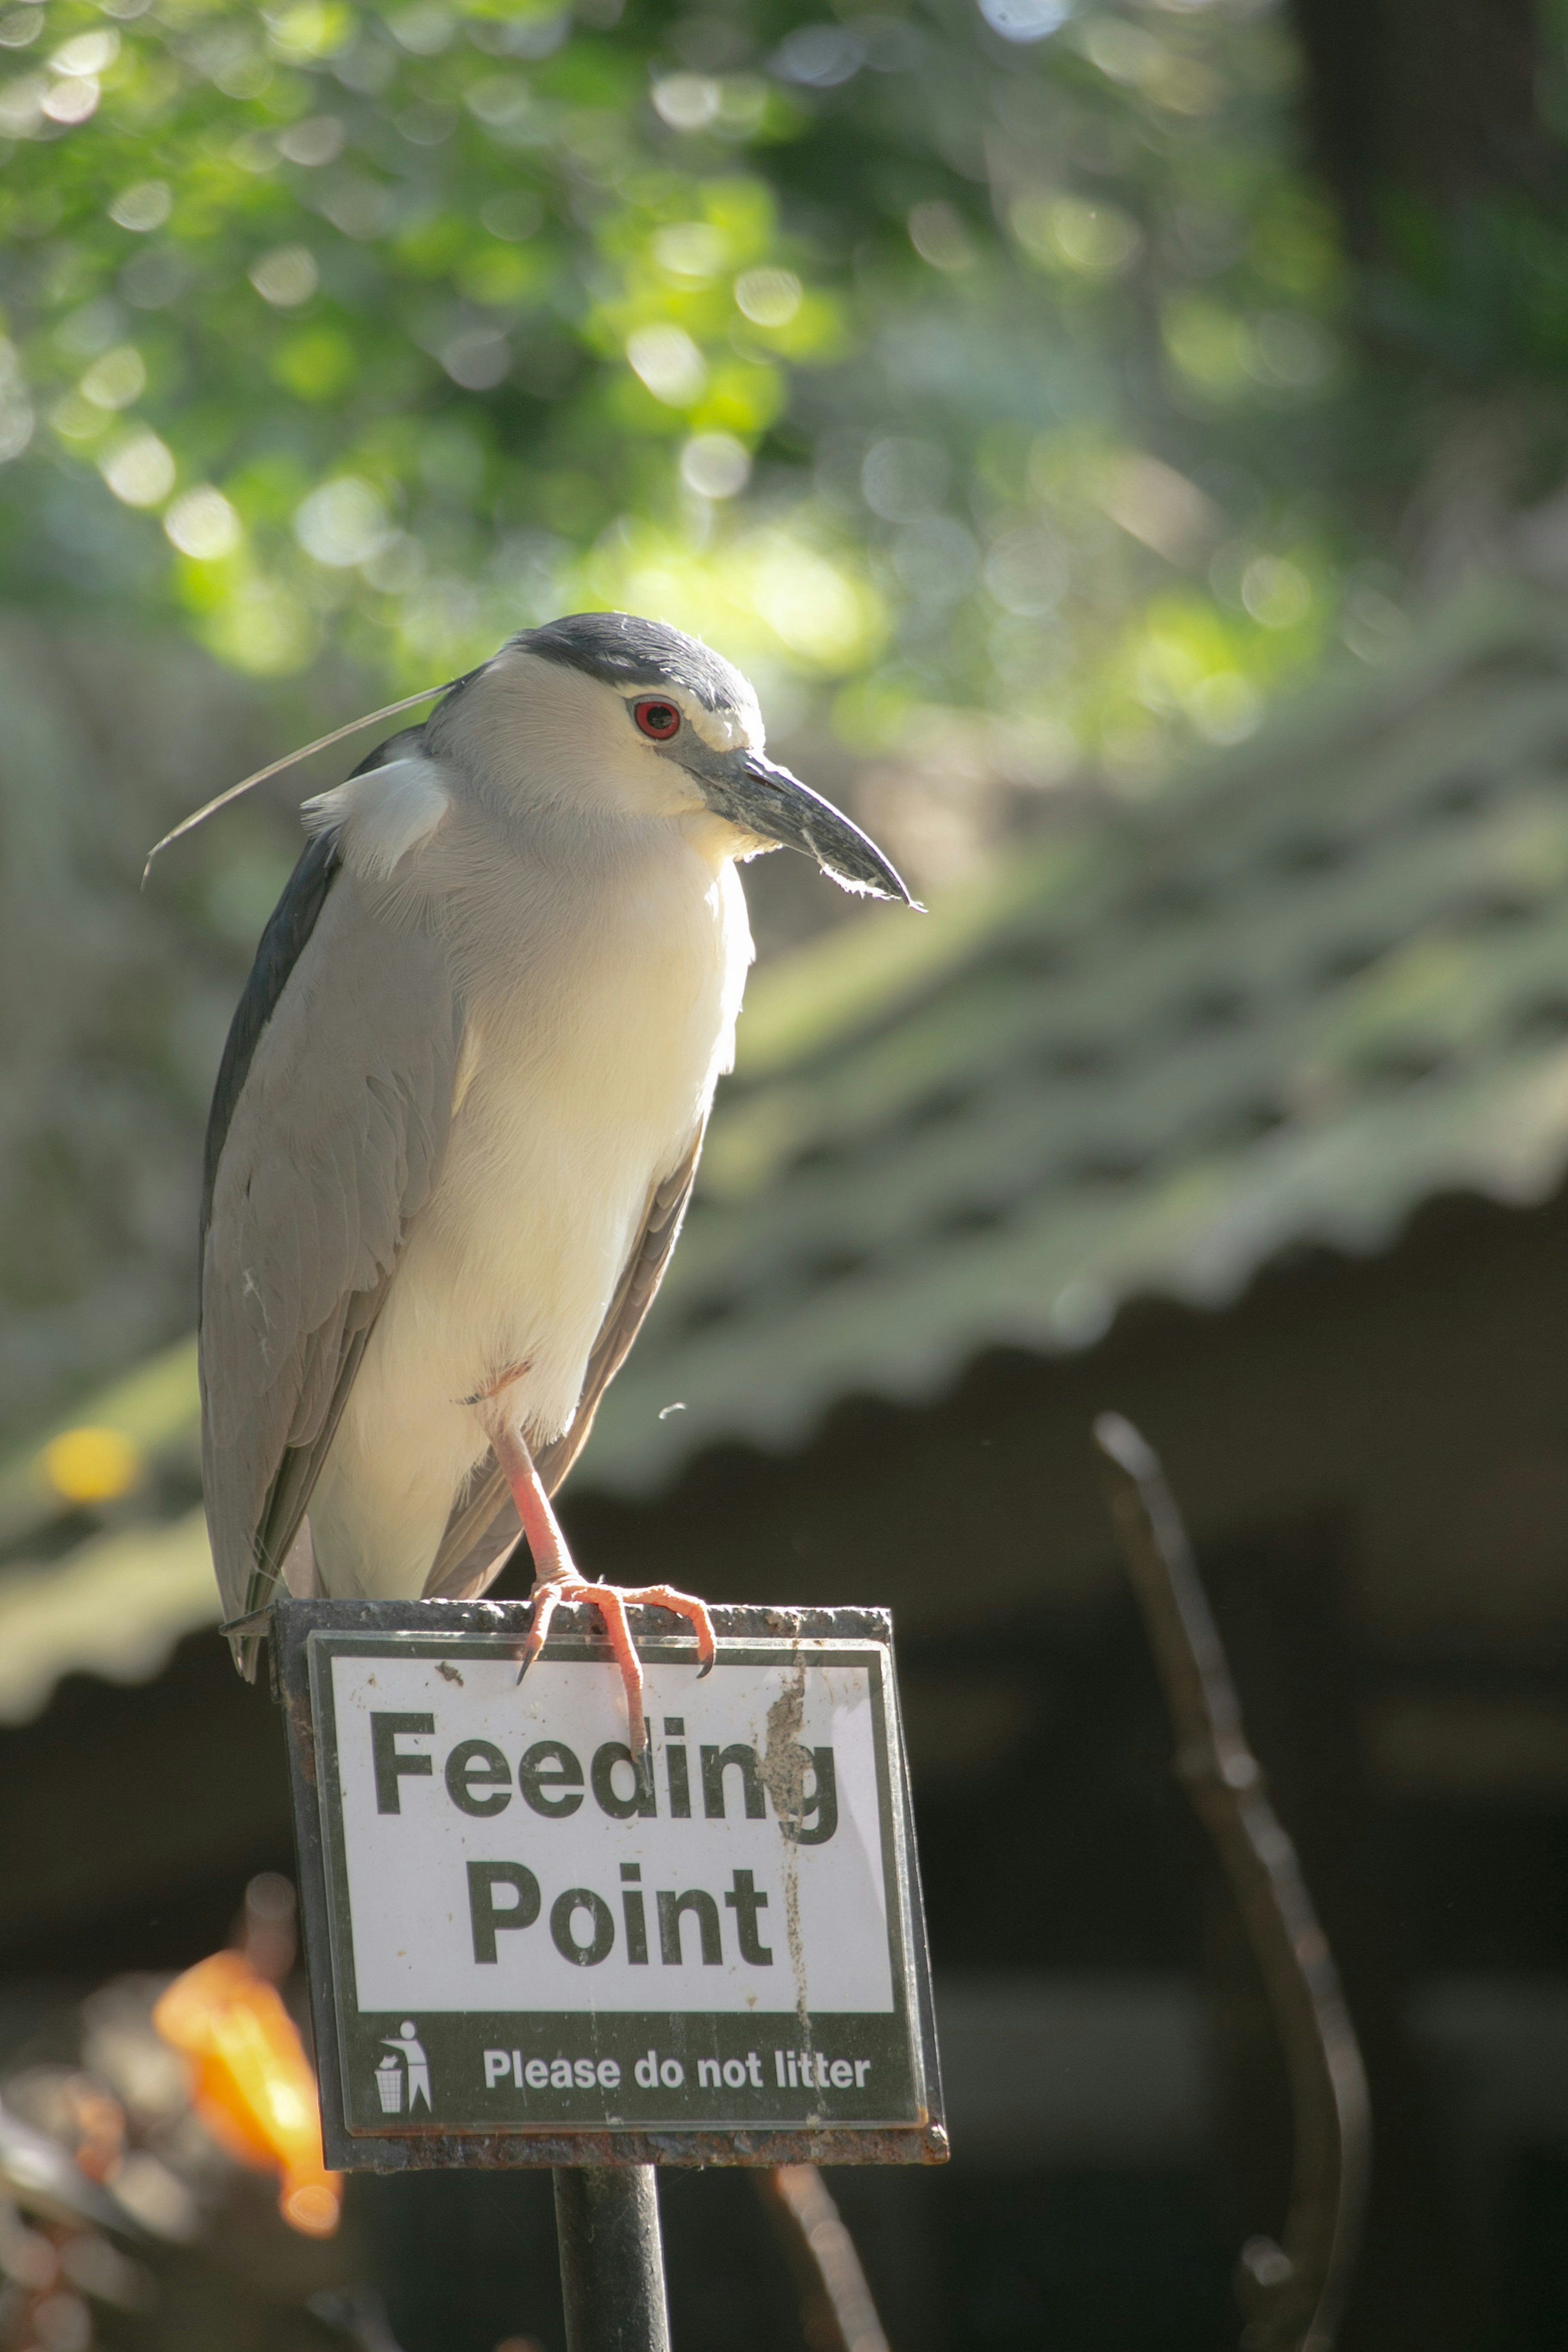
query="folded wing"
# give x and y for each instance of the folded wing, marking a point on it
(329, 1126)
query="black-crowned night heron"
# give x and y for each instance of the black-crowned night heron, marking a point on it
(459, 1111)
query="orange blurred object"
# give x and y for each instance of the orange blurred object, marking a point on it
(254, 2089)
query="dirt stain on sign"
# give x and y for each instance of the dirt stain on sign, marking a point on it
(783, 1763)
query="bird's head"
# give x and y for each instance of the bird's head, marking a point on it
(638, 716)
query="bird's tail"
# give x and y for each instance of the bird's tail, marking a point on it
(244, 1649)
(246, 1631)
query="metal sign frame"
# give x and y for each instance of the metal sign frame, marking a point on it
(306, 1634)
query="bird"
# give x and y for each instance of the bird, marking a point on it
(458, 1115)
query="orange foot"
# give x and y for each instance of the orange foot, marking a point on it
(557, 1578)
(610, 1600)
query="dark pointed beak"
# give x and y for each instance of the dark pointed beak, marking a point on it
(766, 800)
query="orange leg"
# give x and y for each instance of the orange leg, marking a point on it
(556, 1578)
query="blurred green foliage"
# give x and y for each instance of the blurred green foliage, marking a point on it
(977, 358)
(989, 376)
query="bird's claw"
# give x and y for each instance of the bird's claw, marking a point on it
(544, 1608)
(610, 1599)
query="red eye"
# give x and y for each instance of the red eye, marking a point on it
(659, 719)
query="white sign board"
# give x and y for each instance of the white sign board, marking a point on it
(515, 1931)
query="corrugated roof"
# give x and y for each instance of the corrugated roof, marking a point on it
(114, 1607)
(1328, 980)
(1320, 983)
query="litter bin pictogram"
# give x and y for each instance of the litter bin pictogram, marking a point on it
(389, 2084)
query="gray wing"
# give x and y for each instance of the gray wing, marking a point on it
(483, 1529)
(282, 943)
(335, 1138)
(288, 932)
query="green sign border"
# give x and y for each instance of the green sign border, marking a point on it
(828, 2126)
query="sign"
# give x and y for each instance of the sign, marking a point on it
(525, 1948)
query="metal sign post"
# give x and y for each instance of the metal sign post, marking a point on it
(612, 2263)
(526, 1949)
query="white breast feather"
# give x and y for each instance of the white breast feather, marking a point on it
(598, 1065)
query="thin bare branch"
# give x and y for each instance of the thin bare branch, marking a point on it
(1292, 2293)
(836, 2310)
